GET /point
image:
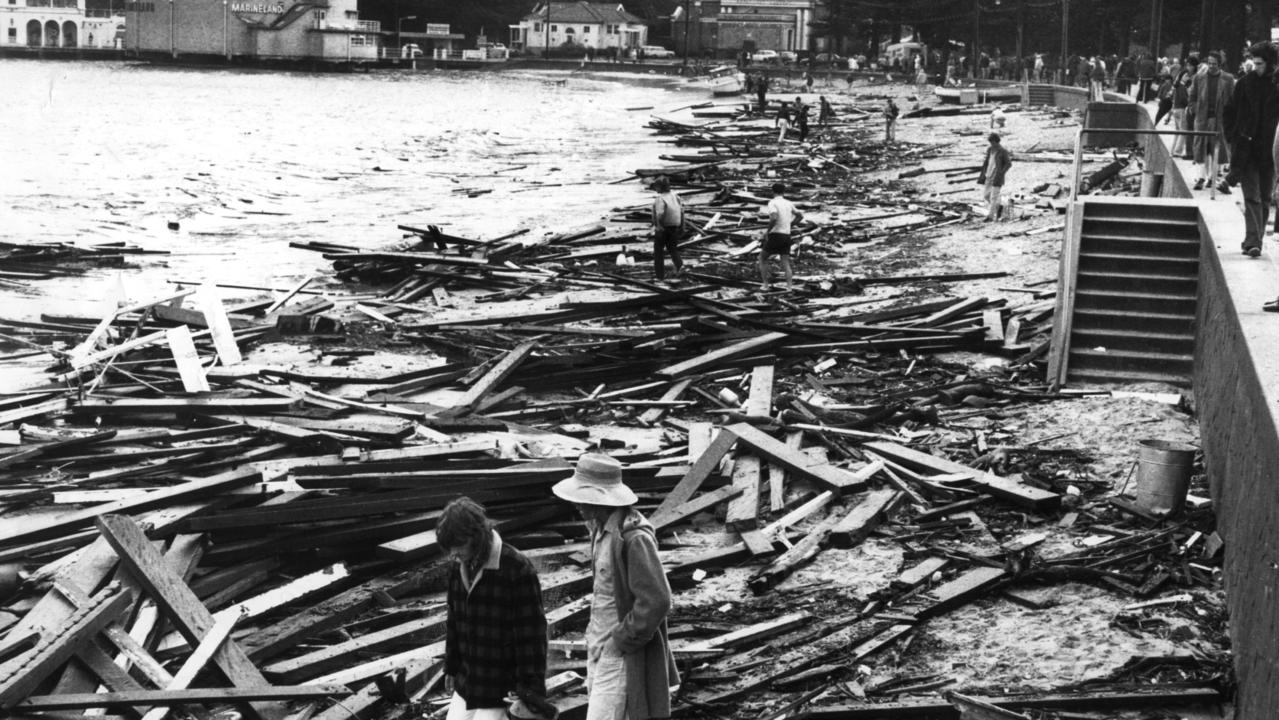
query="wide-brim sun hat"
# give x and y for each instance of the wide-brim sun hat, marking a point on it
(596, 481)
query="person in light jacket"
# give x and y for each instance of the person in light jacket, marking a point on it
(993, 170)
(629, 667)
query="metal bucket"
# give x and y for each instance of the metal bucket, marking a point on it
(1163, 475)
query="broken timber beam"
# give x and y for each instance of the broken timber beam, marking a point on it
(1103, 701)
(181, 606)
(714, 357)
(692, 480)
(1014, 492)
(799, 463)
(273, 693)
(491, 379)
(869, 513)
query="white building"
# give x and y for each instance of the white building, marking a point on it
(584, 24)
(58, 24)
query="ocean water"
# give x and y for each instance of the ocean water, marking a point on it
(245, 162)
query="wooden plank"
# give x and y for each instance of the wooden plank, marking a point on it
(362, 704)
(373, 668)
(971, 708)
(290, 294)
(777, 473)
(1064, 304)
(967, 586)
(329, 658)
(41, 408)
(80, 362)
(702, 502)
(758, 631)
(757, 542)
(149, 405)
(797, 462)
(950, 312)
(1067, 702)
(759, 401)
(21, 676)
(714, 357)
(676, 389)
(187, 359)
(195, 696)
(806, 549)
(920, 572)
(183, 608)
(864, 518)
(743, 510)
(814, 504)
(494, 377)
(696, 475)
(993, 322)
(1012, 491)
(196, 661)
(157, 498)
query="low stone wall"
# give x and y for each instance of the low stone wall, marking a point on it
(1236, 388)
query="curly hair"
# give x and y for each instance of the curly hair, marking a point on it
(463, 521)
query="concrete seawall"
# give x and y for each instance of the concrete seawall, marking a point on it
(1236, 386)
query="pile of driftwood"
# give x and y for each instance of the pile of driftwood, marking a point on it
(24, 262)
(189, 532)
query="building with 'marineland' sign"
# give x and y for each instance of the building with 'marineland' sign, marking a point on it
(293, 31)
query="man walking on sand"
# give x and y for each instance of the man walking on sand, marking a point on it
(782, 218)
(668, 228)
(996, 165)
(1249, 123)
(629, 665)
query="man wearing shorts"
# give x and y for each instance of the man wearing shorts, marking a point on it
(782, 216)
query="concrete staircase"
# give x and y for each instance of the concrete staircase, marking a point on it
(1135, 288)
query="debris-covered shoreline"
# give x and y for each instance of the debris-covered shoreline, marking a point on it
(848, 479)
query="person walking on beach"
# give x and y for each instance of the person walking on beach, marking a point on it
(890, 122)
(782, 123)
(1209, 93)
(993, 170)
(783, 216)
(825, 112)
(800, 115)
(629, 665)
(495, 633)
(1250, 120)
(668, 228)
(761, 92)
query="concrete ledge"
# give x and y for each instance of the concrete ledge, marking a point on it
(1236, 385)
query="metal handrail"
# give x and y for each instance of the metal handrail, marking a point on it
(1079, 152)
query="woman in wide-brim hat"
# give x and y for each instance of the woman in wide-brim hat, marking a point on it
(629, 666)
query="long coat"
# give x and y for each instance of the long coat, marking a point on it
(1201, 103)
(643, 602)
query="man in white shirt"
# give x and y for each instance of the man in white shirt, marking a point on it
(782, 217)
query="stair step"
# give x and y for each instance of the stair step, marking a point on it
(1135, 302)
(1191, 264)
(1135, 244)
(1137, 263)
(1110, 319)
(1087, 359)
(1113, 377)
(1127, 277)
(1184, 214)
(1180, 285)
(1128, 339)
(1137, 219)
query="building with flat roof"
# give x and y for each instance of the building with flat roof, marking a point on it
(30, 24)
(585, 24)
(325, 31)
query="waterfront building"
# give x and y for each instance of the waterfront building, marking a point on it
(289, 31)
(47, 24)
(599, 26)
(764, 25)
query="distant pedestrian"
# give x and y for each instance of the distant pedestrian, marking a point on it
(1146, 70)
(668, 228)
(495, 632)
(890, 122)
(993, 170)
(761, 92)
(629, 665)
(800, 115)
(1250, 120)
(921, 84)
(783, 216)
(1209, 93)
(782, 122)
(825, 112)
(1097, 79)
(1181, 117)
(1164, 96)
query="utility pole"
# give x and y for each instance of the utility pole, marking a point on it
(547, 52)
(1065, 28)
(687, 19)
(976, 54)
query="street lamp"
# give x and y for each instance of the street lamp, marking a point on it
(399, 23)
(687, 19)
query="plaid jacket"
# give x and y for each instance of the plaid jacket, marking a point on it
(496, 637)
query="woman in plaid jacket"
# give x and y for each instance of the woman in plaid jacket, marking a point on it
(496, 643)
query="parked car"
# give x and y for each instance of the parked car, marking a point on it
(657, 51)
(764, 56)
(787, 56)
(828, 58)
